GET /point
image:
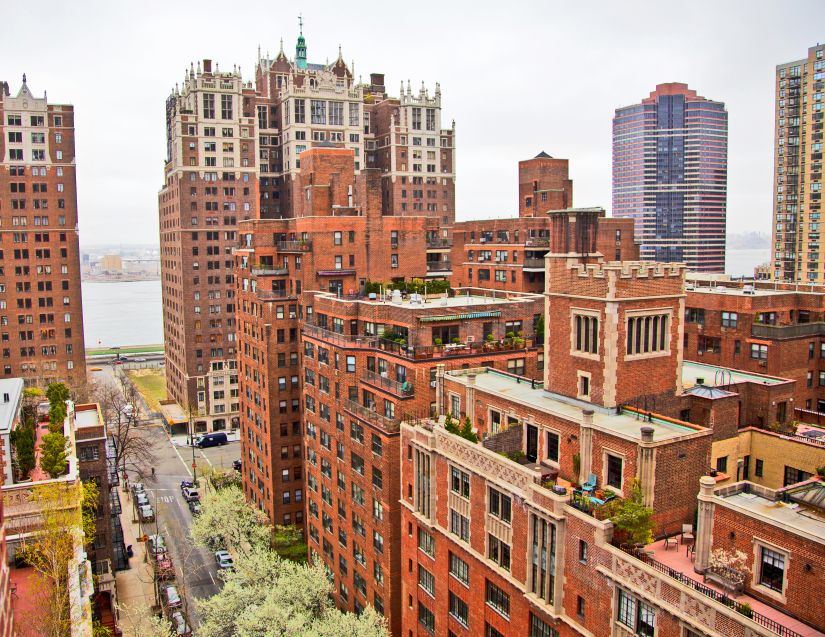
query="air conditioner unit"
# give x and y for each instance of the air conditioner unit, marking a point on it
(432, 383)
(470, 339)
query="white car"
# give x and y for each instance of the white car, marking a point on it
(181, 627)
(224, 560)
(147, 513)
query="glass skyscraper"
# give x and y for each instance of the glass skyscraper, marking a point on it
(670, 168)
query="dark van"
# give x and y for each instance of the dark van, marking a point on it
(211, 440)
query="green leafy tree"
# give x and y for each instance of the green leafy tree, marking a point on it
(31, 396)
(58, 394)
(227, 515)
(540, 330)
(269, 597)
(53, 454)
(631, 518)
(467, 432)
(23, 439)
(288, 542)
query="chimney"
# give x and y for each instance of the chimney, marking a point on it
(207, 66)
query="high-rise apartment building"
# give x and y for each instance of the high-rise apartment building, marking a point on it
(41, 314)
(234, 153)
(797, 206)
(670, 176)
(210, 183)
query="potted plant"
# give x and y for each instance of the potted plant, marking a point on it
(632, 520)
(456, 340)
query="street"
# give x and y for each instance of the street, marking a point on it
(196, 573)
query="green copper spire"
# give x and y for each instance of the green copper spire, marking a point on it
(301, 47)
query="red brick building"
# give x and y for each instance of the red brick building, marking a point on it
(508, 253)
(762, 328)
(368, 365)
(496, 537)
(41, 314)
(337, 241)
(6, 612)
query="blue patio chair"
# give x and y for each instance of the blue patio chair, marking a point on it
(590, 485)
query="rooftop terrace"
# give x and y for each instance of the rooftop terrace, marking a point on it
(712, 374)
(464, 297)
(626, 424)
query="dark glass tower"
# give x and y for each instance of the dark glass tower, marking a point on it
(670, 175)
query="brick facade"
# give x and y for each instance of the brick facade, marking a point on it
(41, 314)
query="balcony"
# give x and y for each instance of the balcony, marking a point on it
(401, 389)
(274, 295)
(439, 266)
(435, 243)
(260, 269)
(537, 242)
(294, 246)
(370, 415)
(782, 332)
(666, 570)
(534, 264)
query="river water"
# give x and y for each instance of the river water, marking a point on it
(130, 313)
(117, 313)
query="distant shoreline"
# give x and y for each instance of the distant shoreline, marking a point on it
(114, 279)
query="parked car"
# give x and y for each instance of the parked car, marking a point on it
(139, 359)
(211, 440)
(179, 624)
(147, 513)
(157, 545)
(164, 568)
(186, 484)
(191, 494)
(224, 560)
(236, 465)
(127, 410)
(195, 507)
(141, 498)
(138, 487)
(171, 596)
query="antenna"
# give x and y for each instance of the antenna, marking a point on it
(300, 24)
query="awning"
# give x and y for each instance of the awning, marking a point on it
(758, 342)
(459, 317)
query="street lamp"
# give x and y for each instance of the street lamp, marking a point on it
(192, 444)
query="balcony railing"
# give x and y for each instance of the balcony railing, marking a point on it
(294, 246)
(747, 612)
(269, 270)
(368, 414)
(439, 266)
(534, 263)
(274, 295)
(402, 389)
(779, 332)
(537, 242)
(435, 243)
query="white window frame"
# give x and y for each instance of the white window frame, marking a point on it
(585, 312)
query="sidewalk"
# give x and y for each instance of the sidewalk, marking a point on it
(134, 586)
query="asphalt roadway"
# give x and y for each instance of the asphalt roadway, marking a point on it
(196, 571)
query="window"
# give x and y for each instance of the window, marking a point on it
(730, 319)
(722, 464)
(498, 551)
(582, 551)
(636, 615)
(552, 446)
(426, 580)
(647, 334)
(760, 468)
(426, 618)
(793, 476)
(426, 542)
(771, 569)
(459, 569)
(614, 471)
(497, 599)
(489, 631)
(585, 334)
(460, 482)
(500, 505)
(695, 315)
(459, 525)
(759, 352)
(538, 628)
(459, 609)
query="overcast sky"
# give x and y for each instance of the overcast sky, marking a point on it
(518, 77)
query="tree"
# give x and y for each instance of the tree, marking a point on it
(31, 397)
(134, 447)
(632, 519)
(540, 331)
(49, 549)
(467, 430)
(227, 515)
(58, 394)
(142, 623)
(23, 439)
(269, 597)
(53, 454)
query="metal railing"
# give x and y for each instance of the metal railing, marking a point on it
(707, 591)
(439, 266)
(368, 414)
(800, 330)
(537, 242)
(294, 246)
(439, 243)
(534, 263)
(260, 270)
(403, 389)
(273, 295)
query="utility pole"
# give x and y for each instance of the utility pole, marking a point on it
(192, 444)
